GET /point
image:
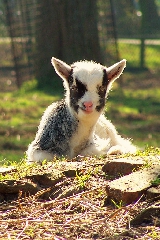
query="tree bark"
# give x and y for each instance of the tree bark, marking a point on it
(150, 18)
(66, 29)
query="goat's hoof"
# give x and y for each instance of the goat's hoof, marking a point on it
(115, 150)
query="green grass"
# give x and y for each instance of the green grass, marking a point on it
(131, 52)
(137, 117)
(132, 107)
(20, 113)
(156, 182)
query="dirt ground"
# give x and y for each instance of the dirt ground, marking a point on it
(67, 203)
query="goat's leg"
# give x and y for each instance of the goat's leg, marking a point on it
(117, 145)
(37, 155)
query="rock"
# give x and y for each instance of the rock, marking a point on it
(153, 192)
(4, 170)
(129, 188)
(147, 215)
(39, 178)
(13, 186)
(1, 197)
(10, 189)
(122, 166)
(47, 179)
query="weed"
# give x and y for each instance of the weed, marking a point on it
(147, 164)
(29, 231)
(117, 205)
(154, 234)
(82, 179)
(19, 171)
(148, 151)
(156, 182)
(44, 162)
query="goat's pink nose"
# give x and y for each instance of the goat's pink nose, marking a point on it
(88, 106)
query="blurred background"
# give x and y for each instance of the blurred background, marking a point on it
(106, 31)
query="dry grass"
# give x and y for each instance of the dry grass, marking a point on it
(76, 207)
(75, 217)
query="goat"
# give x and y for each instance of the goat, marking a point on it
(76, 125)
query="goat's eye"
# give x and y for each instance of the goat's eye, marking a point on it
(74, 88)
(101, 90)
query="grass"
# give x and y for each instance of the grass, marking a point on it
(133, 107)
(131, 52)
(156, 182)
(82, 179)
(20, 113)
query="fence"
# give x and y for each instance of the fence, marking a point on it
(20, 20)
(17, 38)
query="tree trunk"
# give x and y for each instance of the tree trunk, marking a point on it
(149, 25)
(66, 29)
(150, 18)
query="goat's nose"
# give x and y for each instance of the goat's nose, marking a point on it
(88, 106)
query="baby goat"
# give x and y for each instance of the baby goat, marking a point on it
(76, 125)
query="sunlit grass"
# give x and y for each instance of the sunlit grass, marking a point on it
(131, 52)
(134, 111)
(20, 113)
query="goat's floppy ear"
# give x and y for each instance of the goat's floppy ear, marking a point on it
(115, 70)
(61, 68)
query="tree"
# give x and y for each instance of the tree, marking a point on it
(150, 23)
(125, 15)
(66, 29)
(150, 18)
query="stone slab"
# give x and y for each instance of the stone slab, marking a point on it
(6, 169)
(153, 192)
(122, 166)
(130, 187)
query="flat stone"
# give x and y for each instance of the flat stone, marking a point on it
(10, 189)
(47, 179)
(13, 186)
(145, 215)
(122, 166)
(6, 169)
(129, 188)
(153, 192)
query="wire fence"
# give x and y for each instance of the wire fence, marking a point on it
(20, 22)
(18, 19)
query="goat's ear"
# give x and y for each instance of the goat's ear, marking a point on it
(61, 68)
(115, 70)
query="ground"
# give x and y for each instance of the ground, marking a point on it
(67, 199)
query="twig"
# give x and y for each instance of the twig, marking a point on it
(26, 225)
(28, 220)
(53, 202)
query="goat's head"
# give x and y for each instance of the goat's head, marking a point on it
(87, 84)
